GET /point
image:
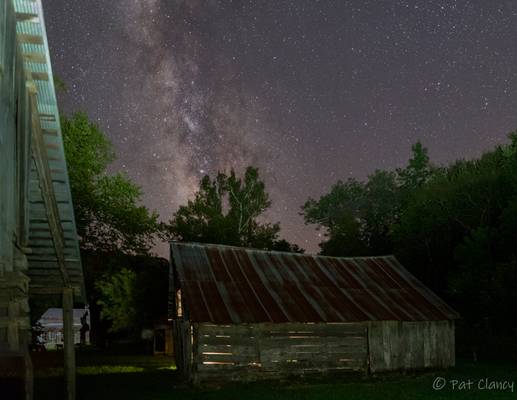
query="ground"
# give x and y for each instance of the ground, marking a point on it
(108, 376)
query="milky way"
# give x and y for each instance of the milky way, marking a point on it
(308, 91)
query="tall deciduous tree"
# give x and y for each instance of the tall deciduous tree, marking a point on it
(227, 210)
(107, 210)
(113, 228)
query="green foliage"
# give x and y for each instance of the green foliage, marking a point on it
(418, 171)
(357, 217)
(467, 219)
(135, 297)
(226, 210)
(117, 299)
(113, 228)
(149, 298)
(454, 227)
(458, 203)
(107, 210)
(284, 245)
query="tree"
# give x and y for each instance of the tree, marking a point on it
(454, 203)
(149, 299)
(226, 210)
(418, 171)
(457, 233)
(113, 228)
(133, 297)
(107, 210)
(454, 227)
(381, 211)
(284, 245)
(357, 217)
(117, 299)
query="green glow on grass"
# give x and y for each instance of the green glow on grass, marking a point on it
(93, 370)
(108, 369)
(170, 368)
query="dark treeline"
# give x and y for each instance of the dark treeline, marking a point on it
(454, 227)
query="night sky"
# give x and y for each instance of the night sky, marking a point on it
(309, 91)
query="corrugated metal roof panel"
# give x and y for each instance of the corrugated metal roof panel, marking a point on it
(224, 284)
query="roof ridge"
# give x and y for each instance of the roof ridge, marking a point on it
(253, 249)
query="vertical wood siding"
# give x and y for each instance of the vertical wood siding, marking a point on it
(182, 338)
(396, 345)
(247, 352)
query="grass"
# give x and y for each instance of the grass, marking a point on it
(103, 377)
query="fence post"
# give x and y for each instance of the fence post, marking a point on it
(69, 350)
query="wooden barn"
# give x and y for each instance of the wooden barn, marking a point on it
(40, 263)
(246, 314)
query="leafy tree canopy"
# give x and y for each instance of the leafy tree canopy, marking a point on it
(107, 208)
(418, 171)
(357, 216)
(454, 227)
(117, 299)
(227, 210)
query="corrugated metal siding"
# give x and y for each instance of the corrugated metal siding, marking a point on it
(223, 284)
(43, 267)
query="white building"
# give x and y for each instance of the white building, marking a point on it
(52, 324)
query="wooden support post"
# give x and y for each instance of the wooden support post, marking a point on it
(69, 350)
(29, 376)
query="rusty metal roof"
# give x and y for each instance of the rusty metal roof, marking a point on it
(224, 284)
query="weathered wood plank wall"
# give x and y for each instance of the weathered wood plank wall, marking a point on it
(182, 338)
(246, 352)
(395, 345)
(261, 351)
